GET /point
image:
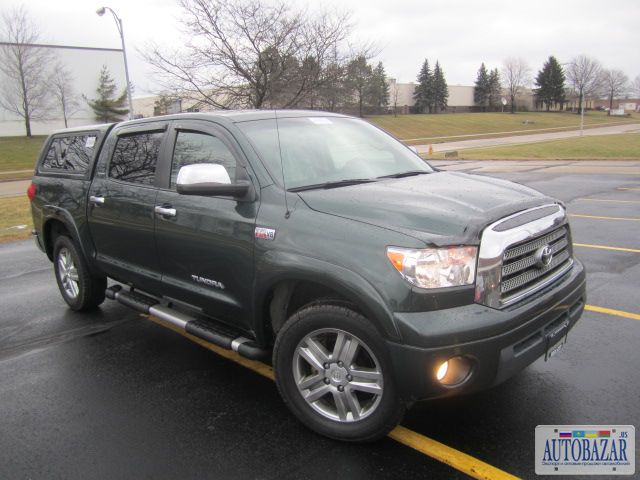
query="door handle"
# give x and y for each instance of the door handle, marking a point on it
(165, 211)
(96, 199)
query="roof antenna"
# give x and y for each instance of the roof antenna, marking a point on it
(287, 214)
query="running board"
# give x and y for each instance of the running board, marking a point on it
(198, 328)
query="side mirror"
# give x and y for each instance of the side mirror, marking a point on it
(208, 179)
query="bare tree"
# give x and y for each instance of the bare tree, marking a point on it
(516, 76)
(249, 53)
(25, 90)
(615, 84)
(585, 77)
(61, 84)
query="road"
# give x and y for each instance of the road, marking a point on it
(111, 394)
(522, 139)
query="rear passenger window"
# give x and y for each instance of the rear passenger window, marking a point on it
(70, 154)
(135, 157)
(194, 147)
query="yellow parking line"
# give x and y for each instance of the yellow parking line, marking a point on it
(452, 457)
(607, 200)
(597, 217)
(425, 445)
(629, 188)
(605, 247)
(611, 311)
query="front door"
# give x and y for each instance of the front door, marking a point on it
(205, 244)
(122, 198)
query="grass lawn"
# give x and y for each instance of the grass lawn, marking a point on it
(15, 211)
(612, 147)
(19, 153)
(424, 129)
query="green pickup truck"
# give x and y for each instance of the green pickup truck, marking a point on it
(317, 242)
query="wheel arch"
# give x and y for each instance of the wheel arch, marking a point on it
(310, 280)
(60, 222)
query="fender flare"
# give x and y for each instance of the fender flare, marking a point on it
(277, 268)
(84, 242)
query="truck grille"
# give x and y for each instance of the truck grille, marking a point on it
(524, 269)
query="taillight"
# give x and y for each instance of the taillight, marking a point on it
(31, 191)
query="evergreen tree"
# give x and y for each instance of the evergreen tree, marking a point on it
(481, 89)
(107, 107)
(359, 74)
(542, 81)
(557, 80)
(495, 89)
(550, 83)
(440, 90)
(423, 93)
(546, 82)
(379, 89)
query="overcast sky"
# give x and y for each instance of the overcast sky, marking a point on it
(460, 34)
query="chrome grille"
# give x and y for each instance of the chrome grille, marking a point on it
(522, 272)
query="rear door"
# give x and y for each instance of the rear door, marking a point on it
(122, 198)
(206, 246)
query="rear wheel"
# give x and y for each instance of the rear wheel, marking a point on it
(78, 287)
(334, 373)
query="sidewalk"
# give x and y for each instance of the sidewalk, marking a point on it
(522, 139)
(13, 188)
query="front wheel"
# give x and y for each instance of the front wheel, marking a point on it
(78, 287)
(334, 373)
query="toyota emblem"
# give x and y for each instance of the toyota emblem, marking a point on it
(544, 256)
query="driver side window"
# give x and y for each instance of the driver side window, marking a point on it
(196, 147)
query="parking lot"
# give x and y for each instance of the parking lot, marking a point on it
(113, 394)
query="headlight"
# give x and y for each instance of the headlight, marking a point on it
(435, 267)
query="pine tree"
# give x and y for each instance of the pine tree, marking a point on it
(495, 89)
(440, 89)
(544, 92)
(107, 107)
(359, 74)
(557, 80)
(481, 89)
(423, 93)
(379, 89)
(550, 83)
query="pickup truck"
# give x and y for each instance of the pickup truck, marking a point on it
(316, 242)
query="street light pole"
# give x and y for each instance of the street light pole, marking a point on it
(101, 11)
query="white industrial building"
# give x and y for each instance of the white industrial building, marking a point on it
(84, 64)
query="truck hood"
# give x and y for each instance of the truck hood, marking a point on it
(441, 208)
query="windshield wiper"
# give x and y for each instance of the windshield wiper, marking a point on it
(335, 184)
(405, 174)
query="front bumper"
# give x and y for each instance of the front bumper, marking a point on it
(498, 343)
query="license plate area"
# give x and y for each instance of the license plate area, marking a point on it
(556, 339)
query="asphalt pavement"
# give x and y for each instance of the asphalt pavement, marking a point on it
(111, 394)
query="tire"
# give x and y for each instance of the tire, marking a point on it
(346, 393)
(78, 287)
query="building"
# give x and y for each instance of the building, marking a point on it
(460, 98)
(85, 64)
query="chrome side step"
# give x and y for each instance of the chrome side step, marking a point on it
(198, 328)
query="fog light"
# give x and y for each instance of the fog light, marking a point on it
(454, 371)
(442, 371)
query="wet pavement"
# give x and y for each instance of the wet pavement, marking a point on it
(113, 395)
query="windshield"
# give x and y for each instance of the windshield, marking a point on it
(320, 150)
